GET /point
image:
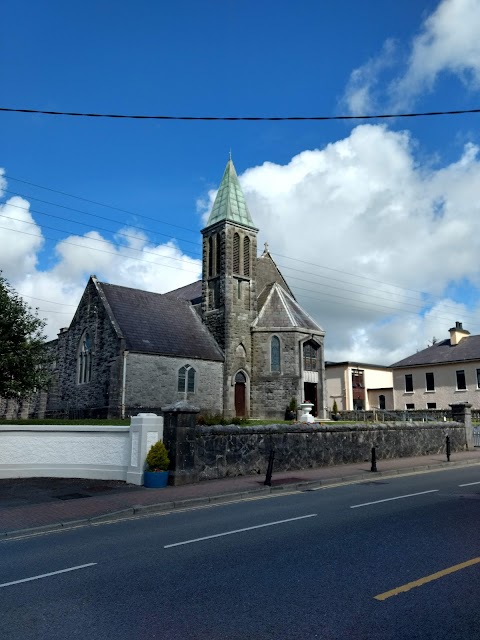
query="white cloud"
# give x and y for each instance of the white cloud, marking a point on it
(20, 237)
(130, 259)
(362, 86)
(448, 42)
(365, 206)
(369, 228)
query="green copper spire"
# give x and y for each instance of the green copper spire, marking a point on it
(230, 205)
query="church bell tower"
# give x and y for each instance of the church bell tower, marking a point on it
(229, 296)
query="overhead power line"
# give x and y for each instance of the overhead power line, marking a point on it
(362, 277)
(319, 295)
(420, 305)
(126, 116)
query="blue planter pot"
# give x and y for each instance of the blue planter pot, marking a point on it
(155, 479)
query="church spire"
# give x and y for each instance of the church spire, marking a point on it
(230, 205)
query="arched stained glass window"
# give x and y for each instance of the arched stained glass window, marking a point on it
(84, 359)
(186, 379)
(246, 256)
(275, 354)
(240, 378)
(236, 253)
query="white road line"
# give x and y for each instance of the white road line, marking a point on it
(408, 495)
(469, 484)
(229, 533)
(46, 575)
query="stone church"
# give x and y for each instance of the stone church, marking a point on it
(235, 343)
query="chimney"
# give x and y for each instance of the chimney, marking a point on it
(457, 333)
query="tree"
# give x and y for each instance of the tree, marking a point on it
(24, 359)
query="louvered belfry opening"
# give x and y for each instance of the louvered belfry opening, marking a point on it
(246, 256)
(236, 253)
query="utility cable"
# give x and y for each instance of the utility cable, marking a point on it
(125, 116)
(322, 294)
(310, 264)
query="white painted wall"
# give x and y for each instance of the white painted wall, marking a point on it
(64, 451)
(339, 385)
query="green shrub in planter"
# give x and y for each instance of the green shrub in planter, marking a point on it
(157, 458)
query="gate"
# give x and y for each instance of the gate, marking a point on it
(476, 436)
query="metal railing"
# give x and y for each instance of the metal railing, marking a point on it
(476, 436)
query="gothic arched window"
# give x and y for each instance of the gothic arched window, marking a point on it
(218, 239)
(84, 359)
(186, 379)
(275, 354)
(310, 356)
(210, 257)
(236, 253)
(246, 257)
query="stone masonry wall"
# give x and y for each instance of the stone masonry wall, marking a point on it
(101, 392)
(152, 381)
(235, 451)
(272, 391)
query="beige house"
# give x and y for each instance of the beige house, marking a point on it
(447, 372)
(355, 385)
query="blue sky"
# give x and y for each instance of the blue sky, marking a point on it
(368, 221)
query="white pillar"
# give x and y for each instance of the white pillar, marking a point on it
(145, 430)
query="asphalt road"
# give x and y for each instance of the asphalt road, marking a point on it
(318, 564)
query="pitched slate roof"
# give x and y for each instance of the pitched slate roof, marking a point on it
(230, 205)
(268, 272)
(192, 292)
(444, 352)
(280, 310)
(160, 324)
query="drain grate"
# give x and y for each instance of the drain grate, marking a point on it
(73, 496)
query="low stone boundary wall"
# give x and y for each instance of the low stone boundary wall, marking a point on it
(77, 451)
(235, 450)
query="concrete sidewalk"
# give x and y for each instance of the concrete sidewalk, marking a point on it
(127, 501)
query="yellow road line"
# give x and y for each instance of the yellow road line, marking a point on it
(430, 578)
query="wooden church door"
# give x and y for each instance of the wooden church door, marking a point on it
(240, 387)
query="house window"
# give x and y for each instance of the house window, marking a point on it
(310, 356)
(410, 406)
(236, 253)
(381, 402)
(186, 379)
(430, 382)
(408, 382)
(431, 405)
(275, 354)
(84, 360)
(478, 378)
(461, 384)
(246, 257)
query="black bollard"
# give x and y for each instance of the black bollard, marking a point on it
(268, 477)
(448, 448)
(374, 460)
